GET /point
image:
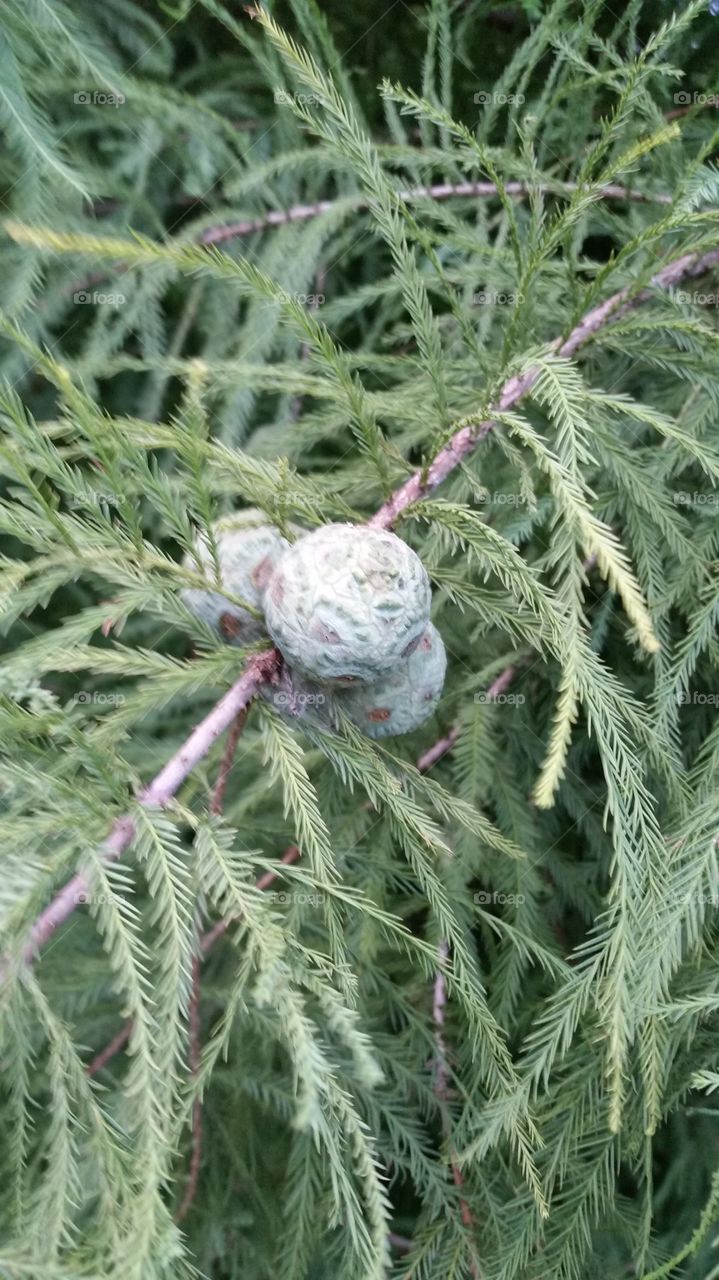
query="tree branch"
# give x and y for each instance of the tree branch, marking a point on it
(440, 191)
(264, 666)
(260, 670)
(469, 435)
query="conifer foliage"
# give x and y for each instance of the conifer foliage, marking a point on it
(278, 999)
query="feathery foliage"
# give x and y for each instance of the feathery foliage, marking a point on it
(347, 1015)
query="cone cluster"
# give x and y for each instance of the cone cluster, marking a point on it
(348, 608)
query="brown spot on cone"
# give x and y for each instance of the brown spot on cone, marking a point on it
(230, 626)
(262, 572)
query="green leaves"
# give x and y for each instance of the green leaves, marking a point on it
(452, 1018)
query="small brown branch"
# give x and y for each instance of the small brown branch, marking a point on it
(260, 669)
(439, 191)
(209, 939)
(437, 750)
(265, 666)
(441, 1088)
(217, 803)
(196, 1156)
(515, 388)
(111, 1048)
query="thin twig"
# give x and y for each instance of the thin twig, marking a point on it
(217, 802)
(196, 1156)
(439, 191)
(264, 666)
(439, 1001)
(260, 670)
(207, 941)
(424, 480)
(113, 1047)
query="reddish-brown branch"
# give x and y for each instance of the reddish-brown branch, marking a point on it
(266, 665)
(217, 802)
(437, 750)
(260, 670)
(515, 388)
(196, 1156)
(440, 191)
(207, 941)
(441, 1066)
(111, 1048)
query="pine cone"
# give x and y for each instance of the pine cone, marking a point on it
(404, 697)
(247, 549)
(347, 603)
